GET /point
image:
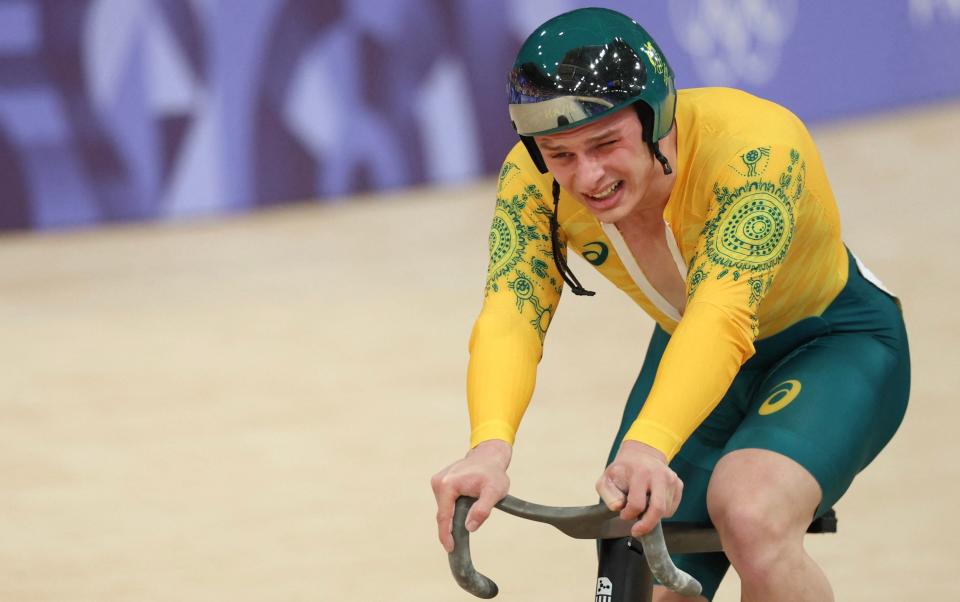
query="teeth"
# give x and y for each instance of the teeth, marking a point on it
(604, 194)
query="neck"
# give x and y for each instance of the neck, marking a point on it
(649, 212)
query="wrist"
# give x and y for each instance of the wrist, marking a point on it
(639, 447)
(493, 450)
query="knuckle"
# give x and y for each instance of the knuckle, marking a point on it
(616, 471)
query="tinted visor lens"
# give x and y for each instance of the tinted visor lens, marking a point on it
(541, 117)
(609, 75)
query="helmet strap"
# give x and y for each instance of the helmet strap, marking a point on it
(645, 114)
(655, 147)
(559, 258)
(533, 150)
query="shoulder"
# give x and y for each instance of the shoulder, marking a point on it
(728, 134)
(729, 104)
(720, 116)
(518, 172)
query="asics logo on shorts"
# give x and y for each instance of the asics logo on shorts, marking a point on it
(783, 394)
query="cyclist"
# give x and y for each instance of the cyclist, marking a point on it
(779, 365)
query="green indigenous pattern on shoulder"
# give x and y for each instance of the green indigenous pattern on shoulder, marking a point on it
(752, 224)
(754, 162)
(753, 227)
(520, 250)
(504, 172)
(697, 275)
(795, 174)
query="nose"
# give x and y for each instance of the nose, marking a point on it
(589, 172)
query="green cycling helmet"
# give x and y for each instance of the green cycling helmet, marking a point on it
(583, 65)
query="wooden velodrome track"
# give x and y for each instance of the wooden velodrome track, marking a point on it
(250, 408)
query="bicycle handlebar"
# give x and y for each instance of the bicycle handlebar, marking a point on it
(581, 521)
(461, 565)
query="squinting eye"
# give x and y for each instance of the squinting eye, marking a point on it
(609, 142)
(560, 155)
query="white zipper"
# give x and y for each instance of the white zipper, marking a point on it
(639, 278)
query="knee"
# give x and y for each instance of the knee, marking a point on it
(756, 534)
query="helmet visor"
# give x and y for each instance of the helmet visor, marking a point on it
(540, 117)
(584, 83)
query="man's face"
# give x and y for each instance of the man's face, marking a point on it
(605, 164)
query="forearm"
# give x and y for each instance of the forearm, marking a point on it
(501, 376)
(703, 357)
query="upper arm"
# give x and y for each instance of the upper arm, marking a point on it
(752, 219)
(522, 277)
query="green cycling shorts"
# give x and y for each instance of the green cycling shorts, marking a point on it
(828, 392)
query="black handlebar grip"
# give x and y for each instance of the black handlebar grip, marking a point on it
(461, 565)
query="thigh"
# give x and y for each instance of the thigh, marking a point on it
(830, 406)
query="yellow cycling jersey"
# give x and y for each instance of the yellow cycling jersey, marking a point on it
(754, 230)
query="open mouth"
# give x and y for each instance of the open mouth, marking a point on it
(606, 193)
(606, 197)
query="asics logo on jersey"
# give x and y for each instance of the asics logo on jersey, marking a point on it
(783, 394)
(596, 257)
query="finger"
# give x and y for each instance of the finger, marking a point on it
(637, 498)
(676, 490)
(656, 507)
(481, 508)
(445, 531)
(611, 495)
(446, 500)
(613, 486)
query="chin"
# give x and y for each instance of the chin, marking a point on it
(613, 214)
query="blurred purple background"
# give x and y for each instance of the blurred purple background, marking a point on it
(114, 110)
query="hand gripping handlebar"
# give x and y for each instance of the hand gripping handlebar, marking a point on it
(581, 522)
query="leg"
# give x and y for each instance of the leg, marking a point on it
(761, 503)
(821, 415)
